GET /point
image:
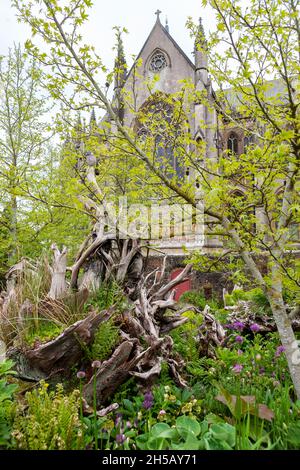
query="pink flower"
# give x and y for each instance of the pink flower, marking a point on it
(96, 364)
(81, 374)
(237, 369)
(120, 438)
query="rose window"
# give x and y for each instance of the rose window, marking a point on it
(158, 62)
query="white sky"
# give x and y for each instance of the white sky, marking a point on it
(136, 15)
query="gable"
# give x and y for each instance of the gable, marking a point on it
(176, 65)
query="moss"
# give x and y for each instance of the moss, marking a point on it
(45, 331)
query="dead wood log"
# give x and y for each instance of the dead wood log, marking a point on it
(110, 375)
(60, 354)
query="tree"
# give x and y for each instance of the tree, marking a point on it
(258, 41)
(24, 134)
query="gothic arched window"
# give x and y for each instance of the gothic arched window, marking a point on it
(159, 125)
(232, 143)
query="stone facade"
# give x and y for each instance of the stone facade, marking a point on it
(162, 57)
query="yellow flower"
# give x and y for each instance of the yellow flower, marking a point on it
(109, 425)
(187, 408)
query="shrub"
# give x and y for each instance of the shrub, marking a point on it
(259, 298)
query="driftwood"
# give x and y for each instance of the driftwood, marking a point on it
(60, 354)
(144, 326)
(211, 334)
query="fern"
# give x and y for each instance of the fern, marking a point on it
(50, 422)
(107, 295)
(106, 340)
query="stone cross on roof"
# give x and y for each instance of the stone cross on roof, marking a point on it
(158, 12)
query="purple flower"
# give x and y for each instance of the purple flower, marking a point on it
(238, 325)
(239, 339)
(81, 374)
(120, 438)
(262, 370)
(237, 369)
(254, 327)
(279, 351)
(240, 352)
(118, 419)
(96, 364)
(128, 425)
(148, 400)
(162, 413)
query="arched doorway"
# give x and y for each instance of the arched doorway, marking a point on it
(183, 287)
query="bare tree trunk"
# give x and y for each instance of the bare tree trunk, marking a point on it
(285, 330)
(58, 284)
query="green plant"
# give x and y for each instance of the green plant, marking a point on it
(235, 296)
(109, 294)
(259, 298)
(49, 420)
(188, 434)
(198, 299)
(7, 392)
(106, 339)
(185, 337)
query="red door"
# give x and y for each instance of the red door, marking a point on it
(183, 286)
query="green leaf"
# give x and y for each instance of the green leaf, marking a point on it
(163, 430)
(157, 443)
(224, 432)
(128, 405)
(186, 425)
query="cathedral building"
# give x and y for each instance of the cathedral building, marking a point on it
(162, 61)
